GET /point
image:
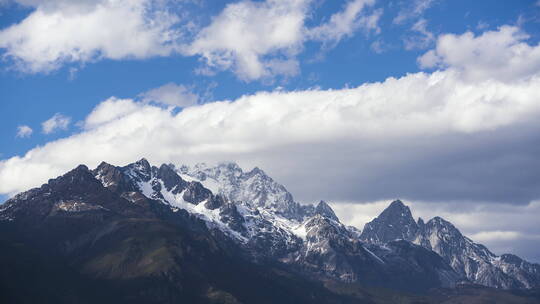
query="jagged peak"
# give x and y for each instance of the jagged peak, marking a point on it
(79, 175)
(397, 208)
(437, 220)
(324, 209)
(257, 170)
(397, 204)
(395, 222)
(141, 165)
(143, 161)
(103, 164)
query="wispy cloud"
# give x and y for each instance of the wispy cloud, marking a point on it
(412, 10)
(24, 131)
(421, 37)
(171, 94)
(348, 21)
(55, 123)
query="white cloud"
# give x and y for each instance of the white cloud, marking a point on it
(413, 10)
(503, 54)
(259, 40)
(24, 131)
(59, 32)
(486, 236)
(171, 94)
(423, 37)
(55, 123)
(246, 32)
(482, 25)
(428, 105)
(109, 110)
(378, 46)
(347, 22)
(254, 39)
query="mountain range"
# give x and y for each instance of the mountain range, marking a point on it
(218, 234)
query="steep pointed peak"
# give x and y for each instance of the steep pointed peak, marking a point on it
(104, 168)
(140, 169)
(79, 175)
(323, 204)
(420, 221)
(143, 162)
(324, 209)
(440, 221)
(395, 222)
(397, 204)
(103, 164)
(80, 170)
(397, 209)
(439, 224)
(256, 171)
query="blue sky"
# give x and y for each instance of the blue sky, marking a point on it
(432, 101)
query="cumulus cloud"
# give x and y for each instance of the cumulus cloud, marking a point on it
(59, 32)
(254, 39)
(55, 123)
(503, 54)
(171, 94)
(109, 110)
(24, 131)
(238, 39)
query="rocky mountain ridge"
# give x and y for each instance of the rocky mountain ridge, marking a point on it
(470, 260)
(253, 213)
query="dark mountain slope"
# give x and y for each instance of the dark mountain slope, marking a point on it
(79, 242)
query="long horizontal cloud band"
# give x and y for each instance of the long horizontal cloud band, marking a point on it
(419, 113)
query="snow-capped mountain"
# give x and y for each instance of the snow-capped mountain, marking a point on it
(259, 216)
(470, 260)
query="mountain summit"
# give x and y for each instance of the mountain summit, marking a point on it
(394, 223)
